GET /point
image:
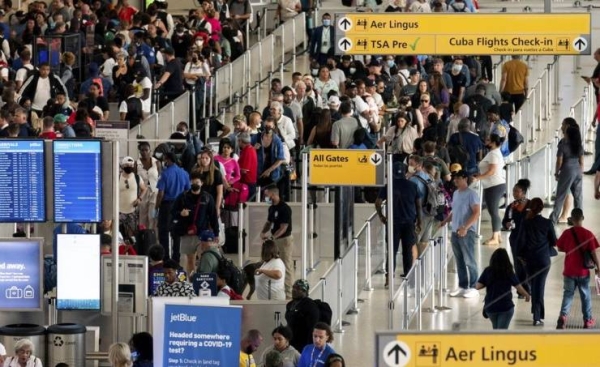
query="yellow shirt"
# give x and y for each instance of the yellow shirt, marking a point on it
(247, 360)
(516, 76)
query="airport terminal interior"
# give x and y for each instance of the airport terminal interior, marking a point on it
(559, 92)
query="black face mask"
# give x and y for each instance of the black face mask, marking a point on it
(195, 187)
(268, 129)
(249, 350)
(128, 169)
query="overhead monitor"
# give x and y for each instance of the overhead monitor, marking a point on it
(78, 272)
(77, 181)
(21, 283)
(23, 194)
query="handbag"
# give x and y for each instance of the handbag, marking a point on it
(192, 230)
(588, 260)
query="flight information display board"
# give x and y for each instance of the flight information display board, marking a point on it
(77, 181)
(23, 194)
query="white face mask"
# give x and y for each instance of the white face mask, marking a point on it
(456, 68)
(412, 169)
(268, 200)
(352, 70)
(199, 43)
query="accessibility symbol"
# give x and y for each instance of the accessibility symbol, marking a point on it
(344, 24)
(580, 44)
(396, 354)
(345, 44)
(375, 159)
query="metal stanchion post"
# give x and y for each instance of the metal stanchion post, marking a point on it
(294, 45)
(368, 264)
(418, 290)
(539, 109)
(240, 238)
(480, 191)
(390, 247)
(193, 117)
(431, 270)
(548, 98)
(556, 66)
(311, 239)
(340, 297)
(531, 123)
(355, 309)
(442, 270)
(115, 245)
(304, 213)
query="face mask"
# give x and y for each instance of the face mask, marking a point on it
(352, 70)
(314, 72)
(268, 129)
(158, 155)
(331, 66)
(180, 33)
(195, 187)
(268, 200)
(456, 68)
(128, 169)
(134, 356)
(412, 169)
(249, 349)
(391, 63)
(326, 22)
(199, 43)
(194, 60)
(308, 89)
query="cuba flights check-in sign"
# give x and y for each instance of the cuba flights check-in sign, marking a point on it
(554, 349)
(478, 34)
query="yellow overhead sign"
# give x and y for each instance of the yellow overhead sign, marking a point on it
(463, 34)
(490, 350)
(346, 167)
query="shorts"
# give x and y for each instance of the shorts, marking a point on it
(428, 226)
(189, 245)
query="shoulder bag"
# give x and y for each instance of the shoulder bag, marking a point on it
(588, 260)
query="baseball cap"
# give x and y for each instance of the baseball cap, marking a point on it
(369, 83)
(302, 284)
(351, 85)
(455, 167)
(207, 236)
(334, 101)
(127, 161)
(168, 51)
(374, 62)
(60, 118)
(462, 173)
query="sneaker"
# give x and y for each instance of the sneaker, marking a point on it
(562, 322)
(457, 292)
(470, 293)
(589, 324)
(538, 323)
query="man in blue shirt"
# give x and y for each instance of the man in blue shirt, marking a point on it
(464, 216)
(407, 216)
(173, 181)
(499, 127)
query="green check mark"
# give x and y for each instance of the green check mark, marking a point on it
(413, 46)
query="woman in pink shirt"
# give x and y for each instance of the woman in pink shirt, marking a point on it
(229, 162)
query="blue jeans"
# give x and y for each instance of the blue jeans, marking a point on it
(569, 285)
(501, 320)
(464, 253)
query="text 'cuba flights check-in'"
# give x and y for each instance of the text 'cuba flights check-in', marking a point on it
(480, 34)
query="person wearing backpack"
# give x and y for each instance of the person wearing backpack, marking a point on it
(478, 104)
(225, 291)
(131, 191)
(271, 274)
(301, 315)
(427, 194)
(465, 147)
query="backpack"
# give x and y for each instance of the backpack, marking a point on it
(237, 281)
(458, 153)
(388, 92)
(368, 140)
(515, 139)
(233, 295)
(49, 273)
(325, 313)
(457, 9)
(435, 200)
(477, 113)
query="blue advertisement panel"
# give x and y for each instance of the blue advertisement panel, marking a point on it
(23, 196)
(201, 336)
(20, 275)
(77, 181)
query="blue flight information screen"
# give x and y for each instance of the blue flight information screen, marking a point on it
(77, 181)
(22, 197)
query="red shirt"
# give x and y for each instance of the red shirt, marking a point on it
(248, 163)
(48, 135)
(574, 254)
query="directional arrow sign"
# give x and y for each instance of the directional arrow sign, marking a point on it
(345, 44)
(580, 44)
(344, 24)
(396, 354)
(375, 159)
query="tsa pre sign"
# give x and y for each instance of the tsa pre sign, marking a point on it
(487, 349)
(346, 167)
(201, 336)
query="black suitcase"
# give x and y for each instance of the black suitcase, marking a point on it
(231, 240)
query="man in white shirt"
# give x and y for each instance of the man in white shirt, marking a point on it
(143, 89)
(131, 191)
(336, 74)
(27, 68)
(370, 88)
(359, 106)
(288, 101)
(284, 124)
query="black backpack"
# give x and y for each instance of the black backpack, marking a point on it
(458, 153)
(368, 140)
(477, 112)
(515, 139)
(325, 313)
(237, 282)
